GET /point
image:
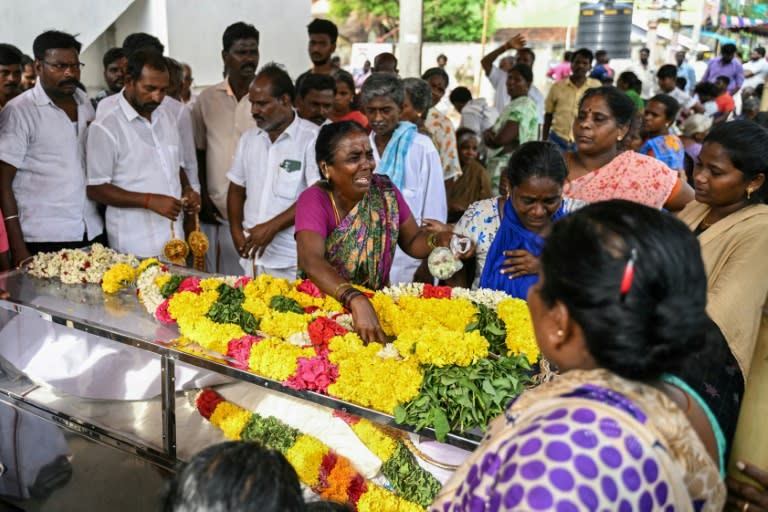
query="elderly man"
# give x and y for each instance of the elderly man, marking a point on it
(42, 172)
(10, 73)
(187, 96)
(221, 114)
(314, 99)
(407, 157)
(385, 63)
(274, 163)
(322, 43)
(728, 66)
(114, 62)
(134, 166)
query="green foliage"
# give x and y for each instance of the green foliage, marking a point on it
(171, 286)
(285, 304)
(410, 479)
(270, 432)
(491, 327)
(443, 21)
(456, 398)
(228, 309)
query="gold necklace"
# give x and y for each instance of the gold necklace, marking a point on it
(335, 209)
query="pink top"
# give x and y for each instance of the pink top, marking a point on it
(630, 176)
(3, 236)
(314, 211)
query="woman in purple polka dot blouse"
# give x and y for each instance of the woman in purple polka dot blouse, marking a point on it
(619, 308)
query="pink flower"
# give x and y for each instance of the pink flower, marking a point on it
(242, 281)
(315, 374)
(162, 313)
(190, 284)
(310, 288)
(240, 350)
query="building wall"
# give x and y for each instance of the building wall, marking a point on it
(191, 30)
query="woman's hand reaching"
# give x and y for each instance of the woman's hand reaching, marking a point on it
(365, 320)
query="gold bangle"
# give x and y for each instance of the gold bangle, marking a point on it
(431, 243)
(338, 287)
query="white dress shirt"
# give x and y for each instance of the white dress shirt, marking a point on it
(183, 117)
(273, 175)
(759, 68)
(137, 155)
(423, 191)
(46, 147)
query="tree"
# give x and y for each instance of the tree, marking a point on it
(444, 20)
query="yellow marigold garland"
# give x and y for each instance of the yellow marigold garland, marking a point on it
(381, 444)
(379, 500)
(521, 338)
(306, 456)
(284, 325)
(116, 277)
(231, 419)
(442, 347)
(276, 359)
(362, 372)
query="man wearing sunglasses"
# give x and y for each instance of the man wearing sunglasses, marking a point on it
(42, 171)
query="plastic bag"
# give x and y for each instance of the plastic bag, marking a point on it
(443, 262)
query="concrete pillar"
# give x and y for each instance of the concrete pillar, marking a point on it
(409, 49)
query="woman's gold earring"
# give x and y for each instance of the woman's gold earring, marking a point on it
(749, 193)
(560, 333)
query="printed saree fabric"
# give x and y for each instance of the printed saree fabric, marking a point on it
(362, 246)
(588, 440)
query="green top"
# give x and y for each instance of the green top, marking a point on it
(638, 101)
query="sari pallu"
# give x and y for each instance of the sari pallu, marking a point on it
(362, 246)
(588, 440)
(512, 235)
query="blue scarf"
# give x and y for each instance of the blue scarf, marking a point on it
(393, 160)
(512, 235)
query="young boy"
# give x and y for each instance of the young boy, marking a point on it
(724, 100)
(666, 77)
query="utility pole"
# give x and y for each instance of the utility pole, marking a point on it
(409, 49)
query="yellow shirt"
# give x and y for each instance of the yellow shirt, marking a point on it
(563, 103)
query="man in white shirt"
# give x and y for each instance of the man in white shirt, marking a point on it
(756, 68)
(42, 171)
(646, 72)
(221, 114)
(274, 163)
(170, 103)
(408, 158)
(314, 97)
(134, 163)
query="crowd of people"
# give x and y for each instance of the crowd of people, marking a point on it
(631, 217)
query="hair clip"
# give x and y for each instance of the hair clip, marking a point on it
(629, 274)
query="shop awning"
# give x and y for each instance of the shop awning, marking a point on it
(740, 22)
(719, 37)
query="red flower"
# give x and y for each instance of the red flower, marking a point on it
(190, 284)
(207, 401)
(310, 288)
(357, 488)
(436, 292)
(162, 313)
(329, 461)
(242, 281)
(310, 309)
(322, 329)
(314, 374)
(240, 350)
(349, 419)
